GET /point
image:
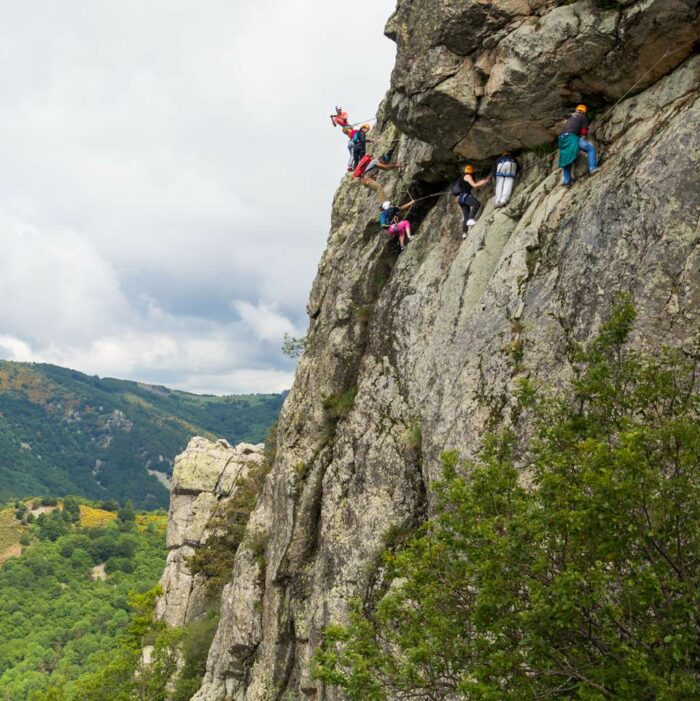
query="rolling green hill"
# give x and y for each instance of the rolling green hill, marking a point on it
(63, 432)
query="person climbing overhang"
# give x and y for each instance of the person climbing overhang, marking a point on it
(572, 140)
(340, 118)
(462, 190)
(390, 220)
(359, 141)
(504, 170)
(368, 169)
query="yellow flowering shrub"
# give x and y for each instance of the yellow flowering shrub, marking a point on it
(95, 518)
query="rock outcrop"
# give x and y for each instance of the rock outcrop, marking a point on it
(206, 476)
(412, 355)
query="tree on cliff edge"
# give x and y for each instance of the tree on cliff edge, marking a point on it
(583, 585)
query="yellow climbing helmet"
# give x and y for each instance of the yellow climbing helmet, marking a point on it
(469, 169)
(366, 127)
(582, 108)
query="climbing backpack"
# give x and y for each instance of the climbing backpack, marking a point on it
(362, 166)
(456, 188)
(386, 217)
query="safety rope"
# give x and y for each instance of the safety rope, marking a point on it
(668, 53)
(363, 121)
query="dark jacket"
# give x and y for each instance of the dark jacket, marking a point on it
(577, 123)
(359, 141)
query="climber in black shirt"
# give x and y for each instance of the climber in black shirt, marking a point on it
(359, 143)
(462, 190)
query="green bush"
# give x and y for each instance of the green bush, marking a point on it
(583, 585)
(338, 406)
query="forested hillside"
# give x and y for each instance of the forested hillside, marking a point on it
(63, 432)
(70, 593)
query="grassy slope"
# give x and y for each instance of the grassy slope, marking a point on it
(63, 432)
(10, 532)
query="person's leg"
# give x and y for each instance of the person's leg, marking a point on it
(351, 160)
(509, 170)
(500, 183)
(590, 151)
(566, 174)
(465, 216)
(408, 229)
(474, 207)
(374, 185)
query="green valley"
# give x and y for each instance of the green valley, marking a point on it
(64, 432)
(69, 590)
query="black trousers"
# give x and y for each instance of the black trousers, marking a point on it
(358, 154)
(470, 209)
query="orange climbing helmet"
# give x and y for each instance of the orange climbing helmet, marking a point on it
(582, 108)
(469, 169)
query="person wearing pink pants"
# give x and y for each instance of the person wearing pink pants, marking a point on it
(389, 220)
(401, 229)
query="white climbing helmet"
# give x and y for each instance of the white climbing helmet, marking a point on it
(386, 205)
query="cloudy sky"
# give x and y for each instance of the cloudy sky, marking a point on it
(166, 174)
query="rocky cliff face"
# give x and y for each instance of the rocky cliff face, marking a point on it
(412, 355)
(205, 478)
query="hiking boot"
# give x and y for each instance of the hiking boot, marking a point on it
(471, 222)
(595, 170)
(464, 235)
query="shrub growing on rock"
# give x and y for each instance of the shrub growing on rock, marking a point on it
(584, 584)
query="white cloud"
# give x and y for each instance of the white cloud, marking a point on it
(264, 320)
(14, 349)
(242, 381)
(161, 159)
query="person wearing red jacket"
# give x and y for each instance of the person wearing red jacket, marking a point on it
(340, 118)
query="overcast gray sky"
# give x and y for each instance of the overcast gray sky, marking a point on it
(166, 175)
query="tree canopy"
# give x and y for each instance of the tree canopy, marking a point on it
(574, 576)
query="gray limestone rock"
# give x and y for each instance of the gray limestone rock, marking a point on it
(205, 476)
(414, 354)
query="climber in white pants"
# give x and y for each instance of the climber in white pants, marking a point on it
(504, 170)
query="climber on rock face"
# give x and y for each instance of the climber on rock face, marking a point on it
(350, 133)
(359, 142)
(390, 220)
(504, 170)
(462, 190)
(340, 118)
(368, 176)
(571, 140)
